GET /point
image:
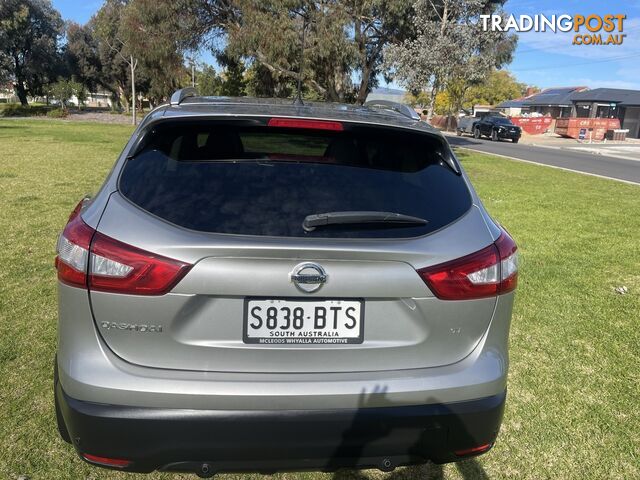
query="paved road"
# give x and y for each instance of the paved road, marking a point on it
(610, 167)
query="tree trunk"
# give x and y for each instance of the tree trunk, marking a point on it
(432, 100)
(133, 89)
(363, 90)
(122, 97)
(21, 92)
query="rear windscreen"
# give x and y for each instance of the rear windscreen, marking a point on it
(250, 179)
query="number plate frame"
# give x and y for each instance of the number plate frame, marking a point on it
(307, 340)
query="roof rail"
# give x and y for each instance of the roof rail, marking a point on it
(179, 95)
(404, 110)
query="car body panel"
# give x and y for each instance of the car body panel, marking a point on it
(127, 361)
(90, 371)
(202, 318)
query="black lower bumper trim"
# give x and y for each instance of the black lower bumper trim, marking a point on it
(212, 441)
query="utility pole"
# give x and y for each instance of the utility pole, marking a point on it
(133, 64)
(193, 74)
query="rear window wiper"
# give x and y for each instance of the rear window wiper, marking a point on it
(311, 222)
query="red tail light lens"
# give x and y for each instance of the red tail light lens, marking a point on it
(110, 462)
(89, 259)
(121, 268)
(73, 252)
(487, 273)
(474, 450)
(304, 123)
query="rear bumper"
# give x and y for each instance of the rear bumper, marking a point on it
(276, 440)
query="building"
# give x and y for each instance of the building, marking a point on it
(512, 108)
(7, 94)
(552, 102)
(610, 103)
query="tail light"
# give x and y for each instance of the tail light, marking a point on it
(109, 462)
(89, 259)
(474, 450)
(487, 273)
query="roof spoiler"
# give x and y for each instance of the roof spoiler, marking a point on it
(402, 109)
(179, 95)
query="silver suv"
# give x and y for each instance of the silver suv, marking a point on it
(261, 286)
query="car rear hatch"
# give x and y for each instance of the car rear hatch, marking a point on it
(263, 294)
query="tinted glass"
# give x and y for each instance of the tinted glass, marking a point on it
(265, 181)
(501, 121)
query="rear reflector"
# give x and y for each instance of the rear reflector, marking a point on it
(486, 273)
(304, 123)
(90, 259)
(110, 462)
(473, 451)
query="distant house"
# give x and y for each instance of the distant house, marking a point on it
(610, 103)
(552, 102)
(512, 108)
(101, 99)
(7, 95)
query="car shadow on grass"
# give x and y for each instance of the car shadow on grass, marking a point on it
(469, 469)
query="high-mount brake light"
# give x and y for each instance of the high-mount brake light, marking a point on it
(306, 123)
(486, 273)
(92, 260)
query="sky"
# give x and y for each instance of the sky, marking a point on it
(543, 59)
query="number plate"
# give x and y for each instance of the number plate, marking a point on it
(295, 321)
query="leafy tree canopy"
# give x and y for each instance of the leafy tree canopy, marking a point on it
(30, 32)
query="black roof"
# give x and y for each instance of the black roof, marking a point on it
(552, 97)
(608, 95)
(512, 103)
(250, 106)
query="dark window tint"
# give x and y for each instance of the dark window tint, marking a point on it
(265, 181)
(501, 121)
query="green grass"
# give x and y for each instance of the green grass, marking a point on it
(574, 387)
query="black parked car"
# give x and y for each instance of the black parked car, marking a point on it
(497, 128)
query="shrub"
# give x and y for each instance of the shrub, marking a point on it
(17, 110)
(57, 113)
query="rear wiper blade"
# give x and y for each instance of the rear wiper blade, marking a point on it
(355, 217)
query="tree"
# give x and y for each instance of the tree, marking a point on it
(151, 41)
(106, 26)
(233, 82)
(344, 40)
(499, 86)
(450, 50)
(417, 99)
(271, 33)
(81, 56)
(116, 53)
(208, 81)
(63, 90)
(377, 24)
(29, 34)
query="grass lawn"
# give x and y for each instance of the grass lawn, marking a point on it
(574, 387)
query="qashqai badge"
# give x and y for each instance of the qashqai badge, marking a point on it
(308, 276)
